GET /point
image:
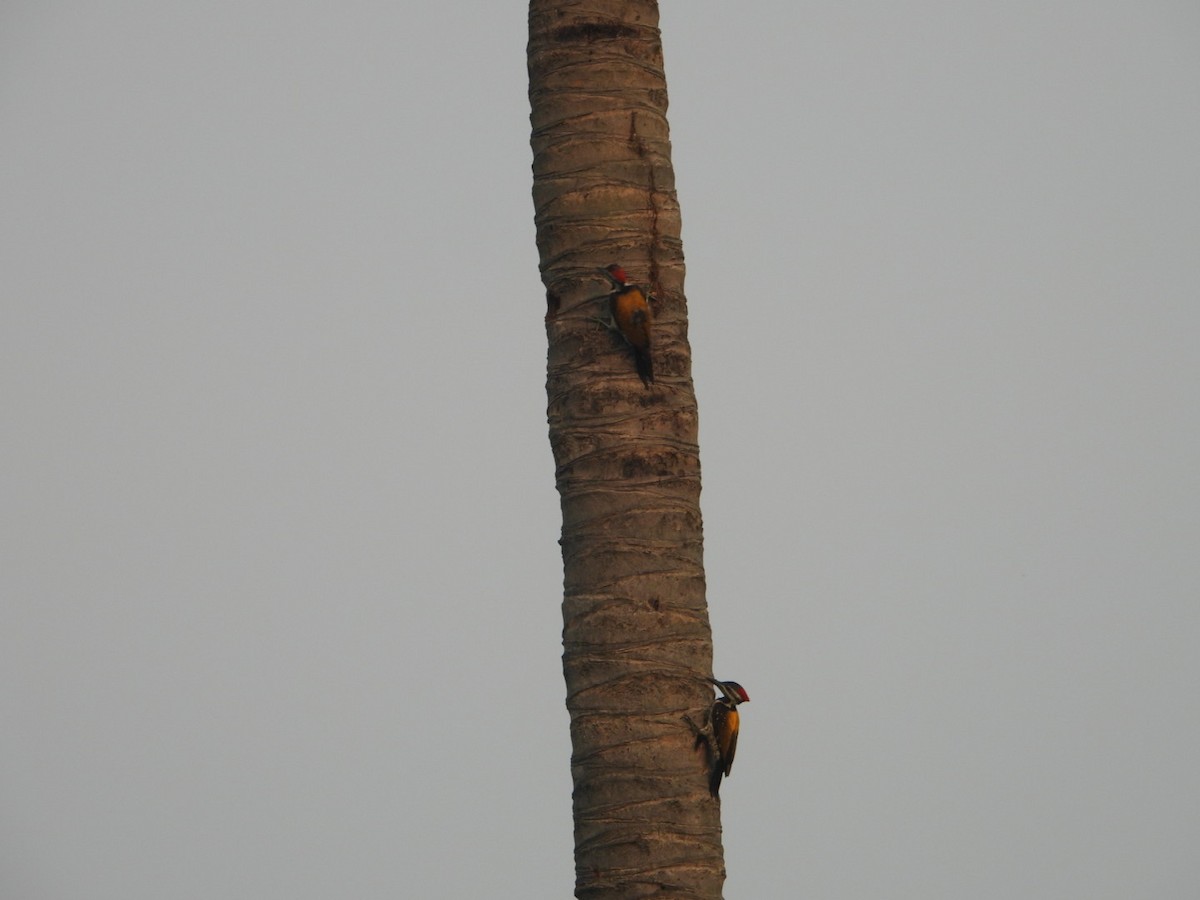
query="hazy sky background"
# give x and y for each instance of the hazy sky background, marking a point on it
(279, 588)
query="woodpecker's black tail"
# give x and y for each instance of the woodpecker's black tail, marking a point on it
(714, 781)
(645, 366)
(714, 762)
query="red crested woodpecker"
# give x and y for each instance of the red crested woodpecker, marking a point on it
(725, 720)
(630, 308)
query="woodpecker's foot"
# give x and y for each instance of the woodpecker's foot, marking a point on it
(705, 737)
(606, 324)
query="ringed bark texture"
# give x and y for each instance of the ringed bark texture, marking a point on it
(636, 637)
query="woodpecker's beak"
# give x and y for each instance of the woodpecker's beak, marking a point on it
(720, 687)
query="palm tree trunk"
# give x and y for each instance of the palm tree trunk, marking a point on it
(636, 637)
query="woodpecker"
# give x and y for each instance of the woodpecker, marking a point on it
(630, 308)
(725, 721)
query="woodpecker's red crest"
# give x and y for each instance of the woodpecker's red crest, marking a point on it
(725, 725)
(617, 274)
(629, 305)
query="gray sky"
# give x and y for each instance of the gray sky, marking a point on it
(279, 593)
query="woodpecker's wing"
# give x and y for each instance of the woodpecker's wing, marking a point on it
(631, 314)
(727, 756)
(725, 721)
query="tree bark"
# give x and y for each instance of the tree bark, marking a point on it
(636, 639)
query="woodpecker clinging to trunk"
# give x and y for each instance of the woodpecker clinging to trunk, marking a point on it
(725, 720)
(630, 308)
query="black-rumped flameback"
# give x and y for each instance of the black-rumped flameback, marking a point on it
(725, 723)
(629, 305)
